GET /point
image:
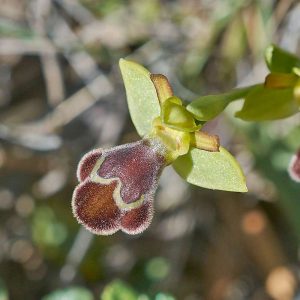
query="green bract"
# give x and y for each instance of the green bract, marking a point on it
(268, 104)
(279, 60)
(141, 96)
(156, 112)
(212, 170)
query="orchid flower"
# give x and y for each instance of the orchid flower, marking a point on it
(117, 186)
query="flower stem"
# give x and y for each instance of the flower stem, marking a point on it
(239, 93)
(207, 107)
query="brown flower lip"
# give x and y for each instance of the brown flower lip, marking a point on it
(117, 187)
(294, 167)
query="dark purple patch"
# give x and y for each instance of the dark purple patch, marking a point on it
(137, 165)
(87, 164)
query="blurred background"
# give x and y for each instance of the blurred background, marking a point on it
(61, 94)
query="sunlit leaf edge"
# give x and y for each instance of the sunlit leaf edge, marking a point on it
(142, 98)
(280, 60)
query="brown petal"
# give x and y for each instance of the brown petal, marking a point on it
(87, 164)
(137, 220)
(95, 208)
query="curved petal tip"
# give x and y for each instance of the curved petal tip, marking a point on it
(137, 220)
(87, 164)
(94, 207)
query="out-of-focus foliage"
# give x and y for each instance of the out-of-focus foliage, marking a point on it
(74, 293)
(61, 94)
(117, 290)
(3, 292)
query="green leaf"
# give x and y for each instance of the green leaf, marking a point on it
(212, 170)
(279, 60)
(142, 99)
(72, 293)
(208, 107)
(118, 290)
(264, 104)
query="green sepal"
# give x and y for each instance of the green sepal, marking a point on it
(142, 98)
(279, 60)
(211, 170)
(175, 115)
(264, 104)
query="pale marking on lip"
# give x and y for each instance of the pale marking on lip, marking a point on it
(94, 177)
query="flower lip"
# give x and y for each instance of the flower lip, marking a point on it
(136, 165)
(117, 187)
(87, 163)
(94, 207)
(138, 219)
